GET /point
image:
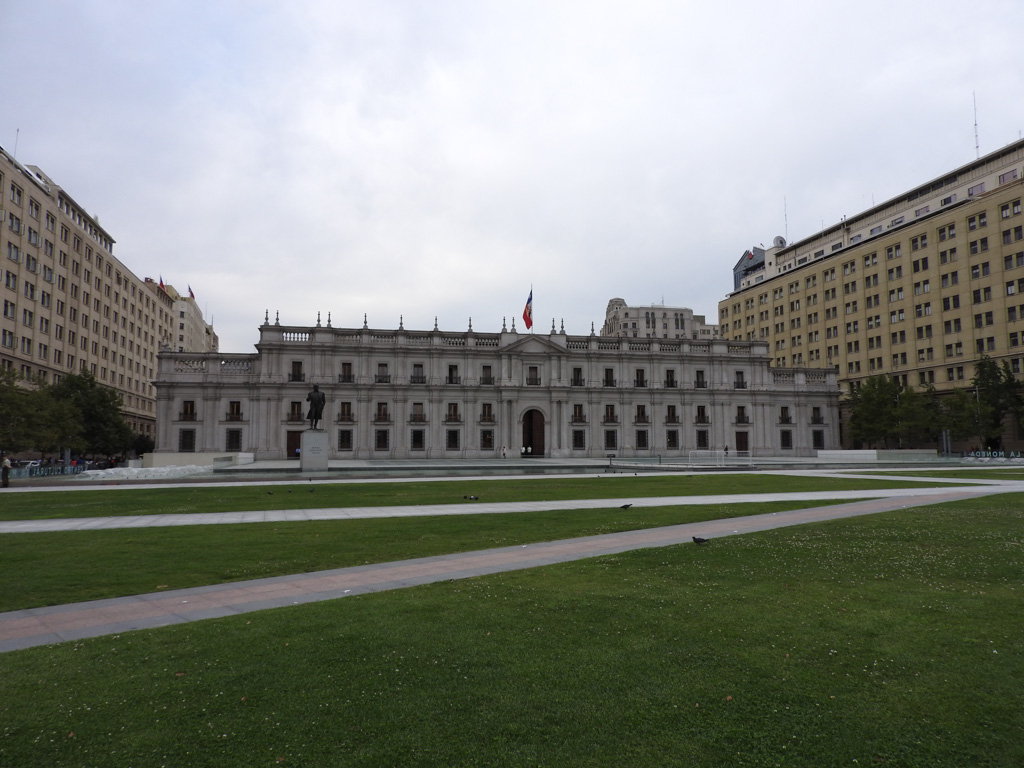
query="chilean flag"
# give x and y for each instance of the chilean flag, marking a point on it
(528, 312)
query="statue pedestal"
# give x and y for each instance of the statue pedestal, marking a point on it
(313, 451)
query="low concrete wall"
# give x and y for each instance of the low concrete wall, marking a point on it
(168, 459)
(841, 457)
(909, 455)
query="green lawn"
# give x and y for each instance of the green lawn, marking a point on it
(160, 500)
(988, 473)
(40, 569)
(888, 640)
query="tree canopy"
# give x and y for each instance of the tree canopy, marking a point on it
(882, 413)
(77, 413)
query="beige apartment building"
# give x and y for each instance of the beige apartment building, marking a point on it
(655, 321)
(918, 288)
(70, 306)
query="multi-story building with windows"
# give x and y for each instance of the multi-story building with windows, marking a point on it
(434, 394)
(918, 288)
(191, 332)
(70, 306)
(655, 322)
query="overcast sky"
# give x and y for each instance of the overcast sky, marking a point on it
(437, 158)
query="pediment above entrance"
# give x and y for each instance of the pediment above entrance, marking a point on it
(534, 345)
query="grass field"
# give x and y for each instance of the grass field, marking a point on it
(987, 473)
(39, 569)
(890, 640)
(199, 499)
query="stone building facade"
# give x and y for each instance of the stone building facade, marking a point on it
(436, 394)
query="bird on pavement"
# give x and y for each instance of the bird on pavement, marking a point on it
(699, 540)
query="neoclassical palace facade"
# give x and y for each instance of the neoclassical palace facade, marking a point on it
(437, 394)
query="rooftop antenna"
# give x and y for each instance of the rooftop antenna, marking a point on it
(785, 218)
(17, 133)
(977, 146)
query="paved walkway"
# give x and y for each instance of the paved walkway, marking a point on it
(40, 626)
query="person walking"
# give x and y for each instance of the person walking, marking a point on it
(5, 471)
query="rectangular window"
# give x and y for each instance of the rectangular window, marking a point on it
(344, 439)
(233, 441)
(381, 440)
(579, 439)
(702, 438)
(451, 439)
(611, 439)
(487, 439)
(672, 439)
(186, 441)
(417, 440)
(641, 440)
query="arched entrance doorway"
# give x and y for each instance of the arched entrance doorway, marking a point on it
(533, 432)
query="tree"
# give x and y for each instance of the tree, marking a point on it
(959, 414)
(105, 430)
(56, 422)
(143, 444)
(873, 411)
(15, 427)
(998, 396)
(916, 417)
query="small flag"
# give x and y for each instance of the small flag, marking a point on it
(162, 283)
(190, 294)
(528, 312)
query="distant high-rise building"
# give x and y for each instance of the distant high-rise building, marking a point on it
(655, 321)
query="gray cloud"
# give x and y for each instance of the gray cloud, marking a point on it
(436, 159)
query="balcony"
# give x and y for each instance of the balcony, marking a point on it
(671, 419)
(704, 420)
(187, 416)
(453, 380)
(233, 417)
(417, 378)
(382, 378)
(294, 376)
(640, 383)
(578, 383)
(345, 418)
(739, 385)
(418, 418)
(785, 420)
(610, 420)
(817, 419)
(608, 383)
(642, 420)
(382, 418)
(533, 381)
(453, 418)
(346, 378)
(487, 381)
(742, 419)
(578, 418)
(700, 384)
(486, 418)
(671, 384)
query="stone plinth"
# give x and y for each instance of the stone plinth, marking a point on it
(313, 451)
